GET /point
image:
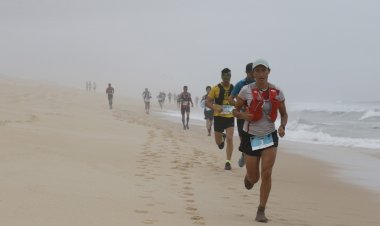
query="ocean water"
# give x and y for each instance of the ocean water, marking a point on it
(353, 128)
(347, 124)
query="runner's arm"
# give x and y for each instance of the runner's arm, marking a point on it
(239, 103)
(284, 119)
(231, 99)
(234, 93)
(179, 100)
(209, 102)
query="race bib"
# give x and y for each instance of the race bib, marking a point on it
(227, 109)
(185, 103)
(261, 142)
(203, 104)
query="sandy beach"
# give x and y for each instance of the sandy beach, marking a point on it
(66, 159)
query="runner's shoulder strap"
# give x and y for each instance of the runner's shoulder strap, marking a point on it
(220, 98)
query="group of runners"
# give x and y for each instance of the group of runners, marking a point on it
(255, 103)
(90, 86)
(147, 96)
(184, 100)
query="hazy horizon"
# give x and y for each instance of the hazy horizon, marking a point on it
(318, 50)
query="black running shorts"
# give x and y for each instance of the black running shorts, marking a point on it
(185, 109)
(209, 115)
(240, 124)
(245, 144)
(222, 123)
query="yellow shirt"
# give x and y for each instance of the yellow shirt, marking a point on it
(214, 94)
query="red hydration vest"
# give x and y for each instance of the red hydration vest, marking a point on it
(256, 106)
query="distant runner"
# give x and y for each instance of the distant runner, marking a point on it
(178, 101)
(185, 101)
(208, 112)
(174, 97)
(147, 96)
(110, 91)
(196, 101)
(161, 99)
(170, 97)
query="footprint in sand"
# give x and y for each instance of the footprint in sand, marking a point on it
(169, 212)
(151, 133)
(145, 197)
(198, 220)
(32, 118)
(4, 122)
(150, 221)
(141, 211)
(191, 208)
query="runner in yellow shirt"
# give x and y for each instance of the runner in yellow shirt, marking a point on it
(217, 100)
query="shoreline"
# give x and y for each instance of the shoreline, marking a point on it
(66, 159)
(338, 157)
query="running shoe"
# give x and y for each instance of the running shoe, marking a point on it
(221, 145)
(227, 166)
(248, 185)
(260, 216)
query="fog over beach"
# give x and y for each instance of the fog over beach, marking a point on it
(318, 51)
(67, 159)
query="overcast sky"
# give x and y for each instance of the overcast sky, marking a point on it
(325, 50)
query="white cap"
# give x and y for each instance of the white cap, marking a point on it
(260, 62)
